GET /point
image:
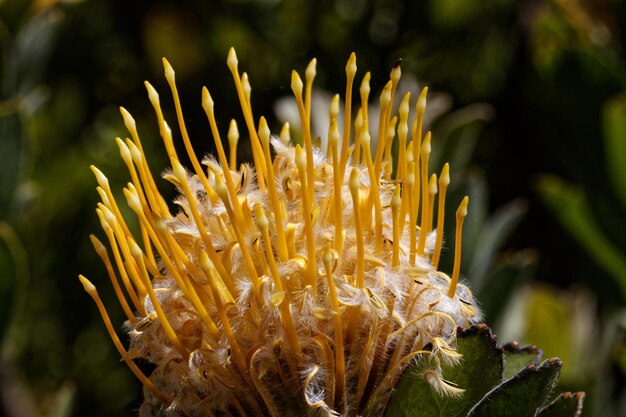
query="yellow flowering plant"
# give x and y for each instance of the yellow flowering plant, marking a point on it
(305, 282)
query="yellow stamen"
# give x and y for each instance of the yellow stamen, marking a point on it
(330, 259)
(277, 207)
(306, 213)
(355, 191)
(347, 113)
(385, 103)
(395, 214)
(170, 76)
(285, 310)
(221, 190)
(102, 252)
(285, 136)
(181, 176)
(333, 143)
(410, 193)
(164, 130)
(233, 138)
(156, 304)
(358, 125)
(208, 106)
(333, 114)
(157, 202)
(425, 153)
(420, 108)
(257, 151)
(296, 87)
(461, 212)
(374, 196)
(403, 131)
(309, 76)
(444, 181)
(91, 290)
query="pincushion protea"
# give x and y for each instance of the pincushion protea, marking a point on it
(299, 285)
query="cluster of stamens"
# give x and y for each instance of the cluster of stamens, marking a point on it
(298, 284)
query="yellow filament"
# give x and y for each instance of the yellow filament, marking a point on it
(395, 214)
(221, 190)
(181, 176)
(425, 153)
(333, 114)
(165, 324)
(461, 212)
(444, 181)
(420, 108)
(309, 76)
(285, 310)
(257, 152)
(432, 192)
(205, 264)
(355, 188)
(284, 135)
(385, 103)
(403, 131)
(208, 106)
(410, 187)
(233, 138)
(91, 290)
(296, 87)
(388, 159)
(170, 76)
(358, 125)
(306, 213)
(157, 202)
(374, 196)
(102, 252)
(130, 289)
(333, 143)
(164, 130)
(264, 135)
(329, 257)
(347, 113)
(364, 91)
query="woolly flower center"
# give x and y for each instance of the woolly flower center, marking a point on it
(304, 282)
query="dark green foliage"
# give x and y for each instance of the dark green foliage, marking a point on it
(499, 381)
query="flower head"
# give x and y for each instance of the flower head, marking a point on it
(297, 284)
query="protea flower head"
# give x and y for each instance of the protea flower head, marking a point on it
(301, 284)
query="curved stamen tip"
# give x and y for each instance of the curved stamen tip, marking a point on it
(232, 61)
(169, 71)
(89, 287)
(207, 100)
(296, 83)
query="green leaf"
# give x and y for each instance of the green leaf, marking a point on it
(565, 405)
(573, 211)
(480, 371)
(523, 395)
(614, 126)
(517, 358)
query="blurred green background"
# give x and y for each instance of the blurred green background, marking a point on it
(528, 105)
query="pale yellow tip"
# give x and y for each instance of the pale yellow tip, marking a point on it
(462, 210)
(311, 69)
(232, 61)
(169, 71)
(264, 131)
(129, 121)
(100, 177)
(89, 287)
(444, 179)
(351, 65)
(296, 83)
(207, 100)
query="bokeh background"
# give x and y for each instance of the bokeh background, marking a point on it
(527, 103)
